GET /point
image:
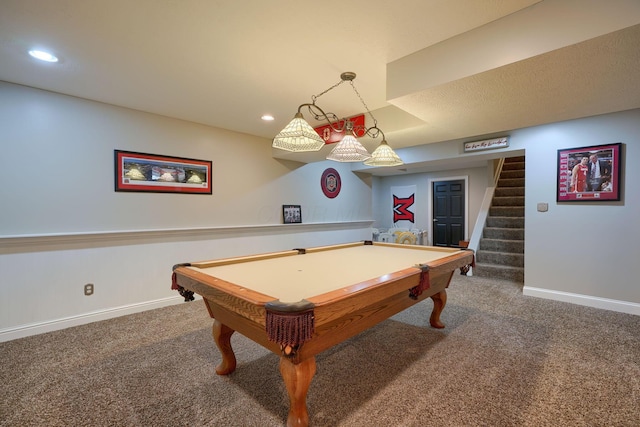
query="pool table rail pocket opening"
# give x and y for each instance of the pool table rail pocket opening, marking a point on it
(289, 325)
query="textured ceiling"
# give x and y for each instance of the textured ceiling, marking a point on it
(226, 63)
(589, 78)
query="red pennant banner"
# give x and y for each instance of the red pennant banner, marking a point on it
(331, 137)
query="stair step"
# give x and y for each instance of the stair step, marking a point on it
(502, 245)
(511, 182)
(508, 201)
(511, 173)
(508, 191)
(513, 166)
(513, 211)
(500, 258)
(503, 233)
(515, 274)
(515, 159)
(505, 222)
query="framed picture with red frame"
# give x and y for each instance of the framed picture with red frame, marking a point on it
(590, 174)
(161, 174)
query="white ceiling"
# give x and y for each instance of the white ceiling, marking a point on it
(430, 70)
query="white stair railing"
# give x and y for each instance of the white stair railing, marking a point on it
(474, 241)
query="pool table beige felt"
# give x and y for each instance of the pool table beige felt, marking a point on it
(300, 302)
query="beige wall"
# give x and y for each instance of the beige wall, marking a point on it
(62, 225)
(58, 156)
(582, 253)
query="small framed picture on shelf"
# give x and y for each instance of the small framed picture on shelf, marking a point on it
(590, 174)
(291, 214)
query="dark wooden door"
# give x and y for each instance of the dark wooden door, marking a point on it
(448, 212)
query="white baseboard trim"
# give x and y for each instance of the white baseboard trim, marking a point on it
(82, 319)
(586, 300)
(58, 324)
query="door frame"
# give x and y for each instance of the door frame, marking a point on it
(465, 178)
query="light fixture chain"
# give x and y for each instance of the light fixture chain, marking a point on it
(314, 97)
(375, 122)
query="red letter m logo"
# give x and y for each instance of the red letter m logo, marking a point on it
(401, 207)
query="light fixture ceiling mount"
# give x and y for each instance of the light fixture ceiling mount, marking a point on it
(348, 76)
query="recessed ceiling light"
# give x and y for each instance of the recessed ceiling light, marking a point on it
(43, 56)
(267, 118)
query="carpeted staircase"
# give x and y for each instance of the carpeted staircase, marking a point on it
(501, 250)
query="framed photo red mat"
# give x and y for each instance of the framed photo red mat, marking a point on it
(156, 173)
(590, 174)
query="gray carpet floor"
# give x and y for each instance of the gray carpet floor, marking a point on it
(503, 359)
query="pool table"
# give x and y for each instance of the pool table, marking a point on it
(300, 302)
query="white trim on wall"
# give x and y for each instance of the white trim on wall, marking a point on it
(23, 331)
(16, 241)
(586, 300)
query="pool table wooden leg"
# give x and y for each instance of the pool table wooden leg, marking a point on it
(439, 301)
(222, 336)
(297, 378)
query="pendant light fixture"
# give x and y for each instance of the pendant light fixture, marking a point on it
(348, 149)
(383, 156)
(299, 135)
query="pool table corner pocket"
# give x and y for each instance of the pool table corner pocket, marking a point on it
(290, 325)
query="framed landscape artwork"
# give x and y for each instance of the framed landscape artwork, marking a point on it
(590, 174)
(161, 174)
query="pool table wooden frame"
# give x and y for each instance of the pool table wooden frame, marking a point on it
(328, 318)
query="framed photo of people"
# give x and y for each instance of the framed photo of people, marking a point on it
(291, 214)
(590, 174)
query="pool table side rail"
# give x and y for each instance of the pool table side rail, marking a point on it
(251, 322)
(335, 247)
(236, 260)
(356, 313)
(360, 294)
(236, 298)
(456, 260)
(270, 255)
(415, 247)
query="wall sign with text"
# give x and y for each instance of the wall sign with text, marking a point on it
(487, 144)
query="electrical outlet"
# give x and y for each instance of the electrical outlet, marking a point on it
(88, 289)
